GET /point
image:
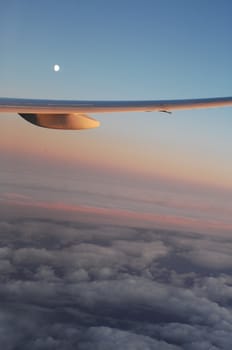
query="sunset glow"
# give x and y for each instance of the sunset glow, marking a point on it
(118, 237)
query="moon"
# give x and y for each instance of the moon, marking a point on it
(56, 67)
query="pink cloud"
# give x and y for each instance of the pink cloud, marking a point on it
(23, 204)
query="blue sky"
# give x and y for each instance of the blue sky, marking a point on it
(158, 49)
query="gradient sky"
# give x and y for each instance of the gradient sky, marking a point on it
(177, 166)
(118, 237)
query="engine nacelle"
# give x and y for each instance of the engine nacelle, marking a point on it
(72, 121)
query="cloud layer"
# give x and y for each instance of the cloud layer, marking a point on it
(67, 285)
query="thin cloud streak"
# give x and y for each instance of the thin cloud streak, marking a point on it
(114, 195)
(114, 215)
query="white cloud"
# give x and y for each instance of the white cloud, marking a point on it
(213, 254)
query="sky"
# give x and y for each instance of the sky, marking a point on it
(120, 235)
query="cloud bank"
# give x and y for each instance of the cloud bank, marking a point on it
(69, 285)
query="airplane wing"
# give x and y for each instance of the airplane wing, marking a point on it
(71, 114)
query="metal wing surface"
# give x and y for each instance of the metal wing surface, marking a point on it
(71, 114)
